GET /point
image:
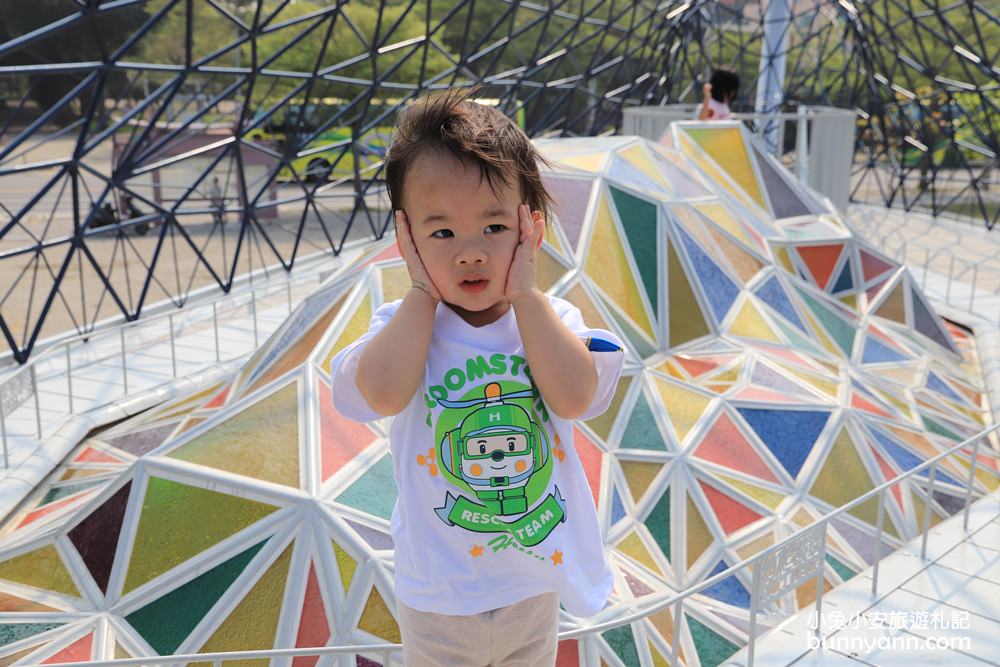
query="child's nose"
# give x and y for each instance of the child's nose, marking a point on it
(471, 253)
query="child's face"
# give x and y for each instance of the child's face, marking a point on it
(464, 232)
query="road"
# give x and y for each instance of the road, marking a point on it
(29, 271)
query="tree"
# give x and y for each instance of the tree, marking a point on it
(95, 35)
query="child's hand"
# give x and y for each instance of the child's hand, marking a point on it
(521, 276)
(419, 277)
(704, 112)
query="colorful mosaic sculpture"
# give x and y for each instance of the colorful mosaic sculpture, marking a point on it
(777, 369)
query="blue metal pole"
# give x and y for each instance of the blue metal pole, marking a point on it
(771, 80)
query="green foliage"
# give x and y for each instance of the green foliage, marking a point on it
(896, 41)
(303, 37)
(357, 30)
(167, 44)
(84, 40)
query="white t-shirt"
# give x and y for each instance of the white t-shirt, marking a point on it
(502, 510)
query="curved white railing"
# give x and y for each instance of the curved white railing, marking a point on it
(21, 386)
(19, 389)
(775, 571)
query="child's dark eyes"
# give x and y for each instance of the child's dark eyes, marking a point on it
(495, 228)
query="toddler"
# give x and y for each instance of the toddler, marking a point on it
(483, 373)
(717, 94)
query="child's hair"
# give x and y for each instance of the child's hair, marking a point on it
(475, 134)
(725, 84)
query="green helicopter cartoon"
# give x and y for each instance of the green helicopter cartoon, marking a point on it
(495, 450)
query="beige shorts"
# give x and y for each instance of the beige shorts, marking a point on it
(521, 635)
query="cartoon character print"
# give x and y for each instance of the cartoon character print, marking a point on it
(495, 451)
(499, 448)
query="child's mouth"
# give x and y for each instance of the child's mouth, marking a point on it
(474, 285)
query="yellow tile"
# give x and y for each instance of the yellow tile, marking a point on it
(683, 405)
(607, 265)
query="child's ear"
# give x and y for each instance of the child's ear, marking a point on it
(395, 218)
(539, 219)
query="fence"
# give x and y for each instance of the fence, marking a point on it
(964, 273)
(961, 268)
(774, 572)
(21, 388)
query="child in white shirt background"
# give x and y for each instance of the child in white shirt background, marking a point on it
(717, 95)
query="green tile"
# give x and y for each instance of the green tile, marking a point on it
(841, 569)
(841, 331)
(713, 649)
(638, 218)
(374, 492)
(658, 523)
(641, 431)
(622, 642)
(167, 621)
(12, 632)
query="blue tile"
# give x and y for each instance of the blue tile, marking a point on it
(938, 385)
(617, 508)
(875, 352)
(906, 459)
(845, 281)
(789, 434)
(903, 458)
(720, 290)
(773, 295)
(765, 376)
(729, 590)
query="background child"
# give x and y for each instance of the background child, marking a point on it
(484, 373)
(717, 94)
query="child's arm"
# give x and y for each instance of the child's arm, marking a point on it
(391, 366)
(561, 366)
(705, 112)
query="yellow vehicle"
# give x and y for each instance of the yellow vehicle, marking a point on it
(340, 151)
(331, 153)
